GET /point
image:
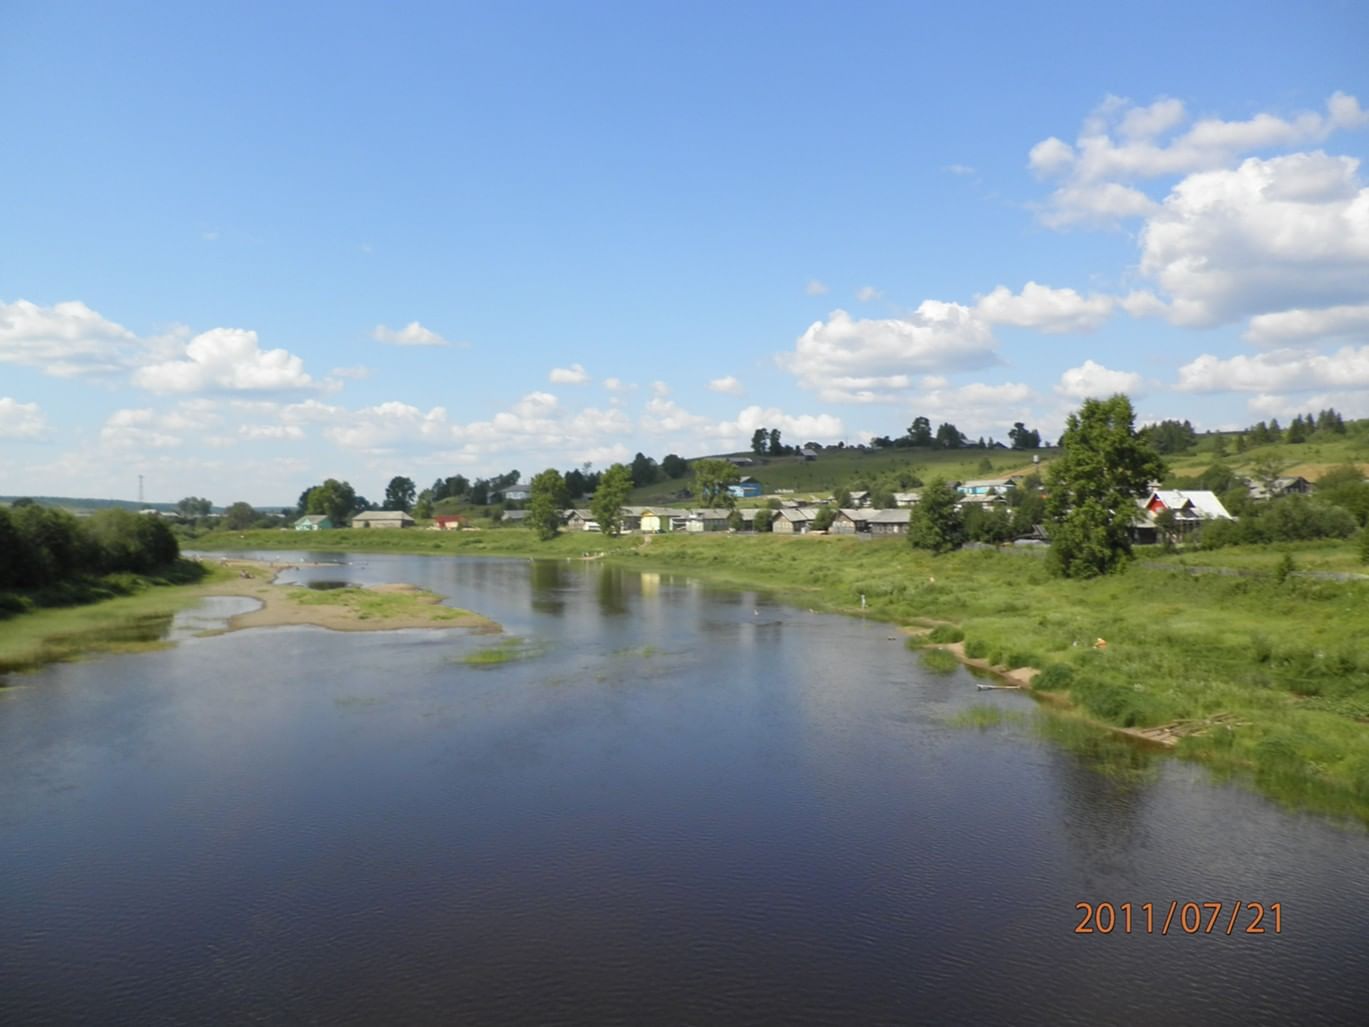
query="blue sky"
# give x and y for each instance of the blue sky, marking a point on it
(246, 247)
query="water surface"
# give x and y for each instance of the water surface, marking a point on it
(686, 805)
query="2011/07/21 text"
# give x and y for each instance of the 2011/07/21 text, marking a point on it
(1188, 918)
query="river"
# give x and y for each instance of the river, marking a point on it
(680, 805)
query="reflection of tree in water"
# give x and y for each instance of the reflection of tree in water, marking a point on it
(547, 581)
(1105, 784)
(611, 591)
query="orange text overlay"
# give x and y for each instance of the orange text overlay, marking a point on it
(1175, 917)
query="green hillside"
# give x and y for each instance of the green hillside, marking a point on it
(1310, 459)
(838, 468)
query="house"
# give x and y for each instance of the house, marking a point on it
(983, 500)
(795, 520)
(887, 522)
(1295, 486)
(448, 522)
(383, 519)
(1190, 508)
(747, 488)
(808, 453)
(653, 521)
(514, 518)
(860, 498)
(741, 461)
(706, 520)
(575, 520)
(314, 522)
(987, 486)
(849, 521)
(630, 518)
(906, 499)
(519, 493)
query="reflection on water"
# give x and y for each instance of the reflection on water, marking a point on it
(210, 614)
(695, 806)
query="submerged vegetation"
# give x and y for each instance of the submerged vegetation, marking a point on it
(506, 650)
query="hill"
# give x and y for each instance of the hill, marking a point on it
(838, 468)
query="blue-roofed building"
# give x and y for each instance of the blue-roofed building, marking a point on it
(747, 488)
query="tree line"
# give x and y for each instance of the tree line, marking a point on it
(947, 436)
(42, 546)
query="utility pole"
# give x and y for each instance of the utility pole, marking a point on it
(140, 491)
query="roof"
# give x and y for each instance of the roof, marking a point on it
(1204, 503)
(797, 513)
(907, 497)
(313, 519)
(515, 515)
(989, 483)
(887, 516)
(382, 515)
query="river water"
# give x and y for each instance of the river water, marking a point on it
(682, 805)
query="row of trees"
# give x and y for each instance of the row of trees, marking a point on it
(43, 546)
(947, 436)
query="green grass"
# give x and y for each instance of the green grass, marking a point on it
(506, 650)
(123, 613)
(368, 604)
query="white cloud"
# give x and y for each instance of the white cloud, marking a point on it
(975, 409)
(1301, 325)
(1143, 303)
(797, 427)
(384, 426)
(849, 360)
(728, 385)
(1053, 311)
(412, 334)
(1121, 143)
(271, 432)
(660, 388)
(666, 417)
(1287, 370)
(136, 429)
(64, 340)
(21, 420)
(815, 288)
(1267, 405)
(1270, 235)
(226, 359)
(1091, 380)
(573, 375)
(866, 293)
(618, 385)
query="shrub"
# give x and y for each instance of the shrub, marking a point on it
(1054, 677)
(1021, 658)
(945, 633)
(977, 648)
(997, 658)
(939, 661)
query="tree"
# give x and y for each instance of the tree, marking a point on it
(1104, 468)
(759, 439)
(423, 505)
(399, 494)
(1024, 438)
(609, 497)
(335, 498)
(239, 517)
(1297, 431)
(675, 465)
(712, 478)
(948, 436)
(764, 519)
(919, 432)
(194, 506)
(824, 518)
(776, 447)
(935, 523)
(735, 521)
(644, 470)
(546, 498)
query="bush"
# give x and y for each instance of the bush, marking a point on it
(944, 634)
(1054, 677)
(977, 649)
(1022, 658)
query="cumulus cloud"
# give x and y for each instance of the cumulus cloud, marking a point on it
(815, 288)
(271, 432)
(1270, 235)
(225, 359)
(1302, 325)
(617, 385)
(573, 375)
(412, 334)
(1091, 380)
(21, 420)
(1121, 143)
(1286, 370)
(64, 340)
(848, 360)
(728, 385)
(1054, 311)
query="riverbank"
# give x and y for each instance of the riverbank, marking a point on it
(138, 621)
(1256, 676)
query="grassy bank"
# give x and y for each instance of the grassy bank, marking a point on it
(1262, 678)
(117, 613)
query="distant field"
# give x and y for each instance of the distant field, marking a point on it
(1309, 459)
